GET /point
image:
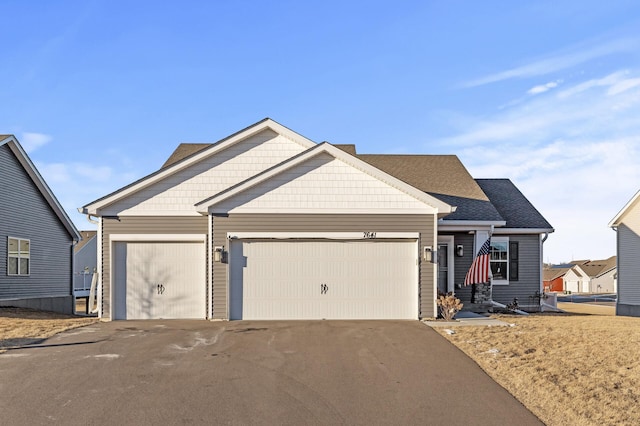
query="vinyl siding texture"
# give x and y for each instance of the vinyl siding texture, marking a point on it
(24, 213)
(142, 225)
(628, 259)
(529, 271)
(424, 224)
(529, 281)
(322, 183)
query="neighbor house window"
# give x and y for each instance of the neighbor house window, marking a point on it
(19, 252)
(504, 257)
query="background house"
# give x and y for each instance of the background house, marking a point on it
(592, 276)
(36, 236)
(603, 274)
(627, 226)
(553, 278)
(84, 266)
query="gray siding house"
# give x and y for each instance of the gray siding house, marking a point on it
(267, 224)
(627, 226)
(36, 236)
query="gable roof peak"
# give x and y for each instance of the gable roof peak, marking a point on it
(21, 155)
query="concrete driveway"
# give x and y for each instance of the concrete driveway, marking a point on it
(242, 373)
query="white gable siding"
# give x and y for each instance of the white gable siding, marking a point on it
(606, 283)
(322, 183)
(628, 257)
(177, 194)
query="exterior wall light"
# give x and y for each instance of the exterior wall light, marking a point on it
(459, 250)
(217, 253)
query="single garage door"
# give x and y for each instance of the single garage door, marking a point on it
(159, 280)
(323, 279)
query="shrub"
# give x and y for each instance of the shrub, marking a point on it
(449, 306)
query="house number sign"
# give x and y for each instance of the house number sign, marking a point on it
(369, 235)
(160, 288)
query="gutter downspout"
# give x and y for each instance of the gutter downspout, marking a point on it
(73, 267)
(546, 235)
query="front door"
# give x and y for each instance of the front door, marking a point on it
(443, 268)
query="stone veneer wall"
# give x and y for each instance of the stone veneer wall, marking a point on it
(481, 294)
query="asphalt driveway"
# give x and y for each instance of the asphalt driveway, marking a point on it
(242, 373)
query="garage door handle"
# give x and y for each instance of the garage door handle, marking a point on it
(324, 288)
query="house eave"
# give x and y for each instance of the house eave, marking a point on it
(523, 230)
(468, 225)
(617, 220)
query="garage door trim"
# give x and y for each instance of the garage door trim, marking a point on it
(114, 238)
(413, 237)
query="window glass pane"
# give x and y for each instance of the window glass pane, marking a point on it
(499, 270)
(13, 247)
(24, 266)
(24, 248)
(13, 266)
(499, 245)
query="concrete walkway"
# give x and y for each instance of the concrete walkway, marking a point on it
(466, 318)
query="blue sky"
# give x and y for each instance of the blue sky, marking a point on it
(544, 93)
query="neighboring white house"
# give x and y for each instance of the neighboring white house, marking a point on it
(576, 280)
(604, 276)
(627, 225)
(592, 276)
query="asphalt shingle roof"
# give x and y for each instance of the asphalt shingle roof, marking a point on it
(183, 151)
(86, 237)
(512, 205)
(549, 274)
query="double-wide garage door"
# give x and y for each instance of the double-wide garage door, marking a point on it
(154, 280)
(323, 279)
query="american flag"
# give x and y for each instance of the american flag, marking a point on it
(479, 271)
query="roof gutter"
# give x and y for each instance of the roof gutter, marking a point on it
(84, 212)
(545, 231)
(468, 225)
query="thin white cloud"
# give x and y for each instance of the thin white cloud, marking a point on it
(31, 141)
(608, 80)
(544, 87)
(623, 86)
(557, 62)
(583, 108)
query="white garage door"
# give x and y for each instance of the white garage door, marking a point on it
(323, 279)
(154, 280)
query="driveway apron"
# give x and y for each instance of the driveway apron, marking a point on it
(250, 372)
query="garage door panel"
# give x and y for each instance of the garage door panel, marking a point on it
(159, 280)
(361, 279)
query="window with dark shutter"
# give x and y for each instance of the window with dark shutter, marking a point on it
(513, 261)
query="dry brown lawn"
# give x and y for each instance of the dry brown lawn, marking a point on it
(19, 327)
(568, 369)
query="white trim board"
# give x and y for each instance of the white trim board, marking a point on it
(323, 235)
(158, 237)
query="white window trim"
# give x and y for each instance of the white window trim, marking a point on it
(19, 257)
(505, 240)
